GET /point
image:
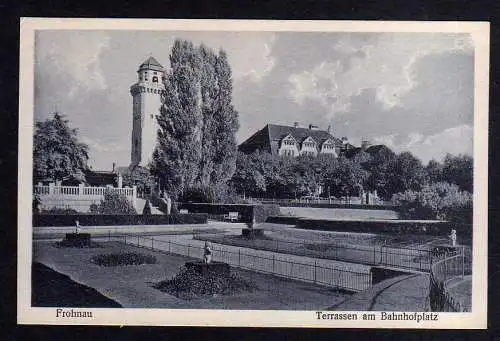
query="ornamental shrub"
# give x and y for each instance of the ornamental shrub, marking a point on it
(442, 200)
(189, 284)
(123, 258)
(115, 203)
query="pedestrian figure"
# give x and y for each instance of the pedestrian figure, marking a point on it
(207, 253)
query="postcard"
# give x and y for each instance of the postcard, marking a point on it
(253, 173)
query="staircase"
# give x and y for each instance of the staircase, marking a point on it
(140, 206)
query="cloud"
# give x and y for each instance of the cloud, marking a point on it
(102, 146)
(455, 140)
(73, 58)
(385, 63)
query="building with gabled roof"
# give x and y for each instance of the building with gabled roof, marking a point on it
(292, 141)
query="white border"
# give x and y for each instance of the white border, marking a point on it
(191, 317)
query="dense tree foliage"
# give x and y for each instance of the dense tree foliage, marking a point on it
(196, 140)
(458, 170)
(405, 172)
(265, 175)
(57, 153)
(440, 200)
(140, 177)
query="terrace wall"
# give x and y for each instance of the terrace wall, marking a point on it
(248, 213)
(78, 197)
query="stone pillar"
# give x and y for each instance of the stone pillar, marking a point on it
(80, 189)
(51, 188)
(134, 196)
(120, 180)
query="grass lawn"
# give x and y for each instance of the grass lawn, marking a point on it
(361, 248)
(288, 233)
(103, 234)
(337, 213)
(132, 286)
(52, 289)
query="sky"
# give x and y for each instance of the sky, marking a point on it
(410, 91)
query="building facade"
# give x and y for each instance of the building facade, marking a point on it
(293, 141)
(147, 94)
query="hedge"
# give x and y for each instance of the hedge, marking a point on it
(431, 227)
(45, 220)
(247, 212)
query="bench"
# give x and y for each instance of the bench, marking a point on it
(232, 216)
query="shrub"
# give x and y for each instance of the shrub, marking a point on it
(440, 200)
(115, 203)
(121, 259)
(188, 283)
(202, 194)
(59, 210)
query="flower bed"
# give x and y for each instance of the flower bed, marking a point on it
(121, 259)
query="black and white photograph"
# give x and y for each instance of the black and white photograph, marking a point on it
(253, 173)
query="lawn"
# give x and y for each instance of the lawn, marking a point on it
(337, 213)
(289, 233)
(133, 286)
(408, 252)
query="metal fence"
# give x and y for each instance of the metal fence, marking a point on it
(277, 265)
(341, 201)
(449, 266)
(398, 257)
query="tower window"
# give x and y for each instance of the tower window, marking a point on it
(155, 79)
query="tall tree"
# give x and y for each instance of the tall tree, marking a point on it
(57, 153)
(459, 170)
(196, 142)
(405, 172)
(346, 178)
(434, 171)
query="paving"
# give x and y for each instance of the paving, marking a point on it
(402, 293)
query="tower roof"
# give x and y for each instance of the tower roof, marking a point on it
(151, 64)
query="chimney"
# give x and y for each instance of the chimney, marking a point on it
(344, 142)
(365, 144)
(295, 124)
(313, 127)
(114, 165)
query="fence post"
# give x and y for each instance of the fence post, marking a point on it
(137, 240)
(169, 246)
(109, 235)
(277, 247)
(374, 255)
(239, 257)
(463, 261)
(420, 258)
(314, 271)
(273, 262)
(188, 250)
(152, 241)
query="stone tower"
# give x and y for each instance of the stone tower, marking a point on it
(147, 96)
